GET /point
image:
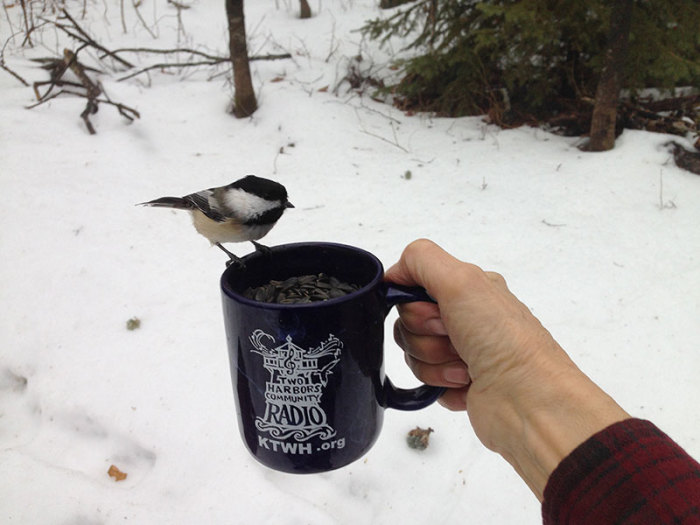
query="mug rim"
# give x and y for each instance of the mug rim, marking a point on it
(238, 297)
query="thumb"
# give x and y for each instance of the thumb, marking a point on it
(424, 263)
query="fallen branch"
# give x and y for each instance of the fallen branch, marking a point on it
(127, 112)
(56, 68)
(269, 57)
(685, 103)
(71, 59)
(178, 5)
(677, 116)
(165, 65)
(78, 33)
(212, 61)
(52, 84)
(168, 52)
(124, 110)
(685, 159)
(679, 122)
(46, 98)
(4, 66)
(90, 109)
(91, 89)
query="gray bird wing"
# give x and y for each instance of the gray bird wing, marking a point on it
(206, 202)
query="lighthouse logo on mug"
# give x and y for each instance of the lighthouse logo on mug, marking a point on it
(298, 377)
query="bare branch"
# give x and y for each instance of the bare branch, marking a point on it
(85, 38)
(52, 84)
(121, 13)
(28, 30)
(213, 61)
(90, 109)
(270, 57)
(165, 65)
(394, 143)
(169, 52)
(46, 98)
(4, 66)
(143, 22)
(91, 89)
(124, 110)
(178, 5)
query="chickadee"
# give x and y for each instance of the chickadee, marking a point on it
(245, 210)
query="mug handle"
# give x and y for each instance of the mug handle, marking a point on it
(407, 398)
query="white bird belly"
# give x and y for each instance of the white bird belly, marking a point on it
(228, 231)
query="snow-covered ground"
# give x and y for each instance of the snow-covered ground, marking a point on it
(605, 248)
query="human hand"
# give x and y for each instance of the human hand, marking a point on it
(491, 333)
(525, 397)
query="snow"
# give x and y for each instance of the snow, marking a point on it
(603, 247)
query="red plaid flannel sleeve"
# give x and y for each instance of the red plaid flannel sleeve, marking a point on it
(629, 473)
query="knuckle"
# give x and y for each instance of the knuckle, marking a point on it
(418, 247)
(496, 278)
(419, 244)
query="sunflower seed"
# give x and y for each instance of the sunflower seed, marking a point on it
(303, 289)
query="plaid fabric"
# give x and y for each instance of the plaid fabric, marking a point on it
(629, 473)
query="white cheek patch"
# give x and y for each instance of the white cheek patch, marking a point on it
(245, 205)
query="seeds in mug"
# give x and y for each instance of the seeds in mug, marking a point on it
(301, 290)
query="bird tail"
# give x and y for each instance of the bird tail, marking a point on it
(169, 202)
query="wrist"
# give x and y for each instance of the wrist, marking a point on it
(545, 426)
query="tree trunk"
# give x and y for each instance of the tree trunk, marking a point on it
(602, 135)
(244, 103)
(305, 9)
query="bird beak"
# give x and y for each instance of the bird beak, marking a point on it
(288, 205)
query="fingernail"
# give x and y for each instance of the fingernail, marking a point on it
(457, 373)
(436, 326)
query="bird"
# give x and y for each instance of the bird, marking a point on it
(245, 210)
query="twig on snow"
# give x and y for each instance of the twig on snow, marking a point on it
(394, 143)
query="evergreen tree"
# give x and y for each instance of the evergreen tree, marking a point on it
(524, 60)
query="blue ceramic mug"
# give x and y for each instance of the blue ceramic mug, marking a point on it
(308, 379)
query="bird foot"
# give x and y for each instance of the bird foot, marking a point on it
(236, 263)
(261, 247)
(232, 258)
